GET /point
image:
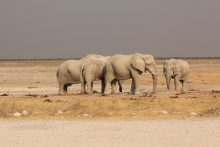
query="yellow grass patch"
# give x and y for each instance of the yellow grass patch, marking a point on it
(119, 106)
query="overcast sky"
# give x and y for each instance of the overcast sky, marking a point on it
(74, 28)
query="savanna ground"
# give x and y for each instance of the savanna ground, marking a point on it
(31, 87)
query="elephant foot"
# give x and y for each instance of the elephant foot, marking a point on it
(106, 93)
(135, 92)
(183, 92)
(177, 89)
(113, 92)
(82, 92)
(152, 94)
(89, 92)
(60, 93)
(63, 94)
(94, 91)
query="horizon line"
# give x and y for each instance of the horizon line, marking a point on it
(174, 57)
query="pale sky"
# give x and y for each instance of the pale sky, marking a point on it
(74, 28)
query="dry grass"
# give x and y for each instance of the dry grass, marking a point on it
(120, 106)
(38, 77)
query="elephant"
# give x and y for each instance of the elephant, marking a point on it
(93, 69)
(177, 70)
(68, 73)
(123, 67)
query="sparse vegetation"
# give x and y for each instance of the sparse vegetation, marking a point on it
(120, 106)
(30, 88)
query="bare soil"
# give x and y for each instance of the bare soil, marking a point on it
(62, 133)
(32, 86)
(32, 114)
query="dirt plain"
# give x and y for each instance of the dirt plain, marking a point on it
(31, 86)
(32, 114)
(102, 133)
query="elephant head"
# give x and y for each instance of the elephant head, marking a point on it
(170, 70)
(143, 63)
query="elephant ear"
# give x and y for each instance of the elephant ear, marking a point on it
(138, 63)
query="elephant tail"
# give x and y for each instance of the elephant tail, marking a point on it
(82, 72)
(57, 74)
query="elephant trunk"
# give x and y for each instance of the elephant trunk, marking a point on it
(168, 78)
(153, 71)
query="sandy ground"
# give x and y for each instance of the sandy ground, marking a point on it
(170, 133)
(93, 120)
(39, 77)
(32, 86)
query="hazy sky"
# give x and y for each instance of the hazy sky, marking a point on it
(74, 28)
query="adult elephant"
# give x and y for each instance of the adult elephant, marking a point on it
(68, 73)
(177, 70)
(123, 67)
(93, 69)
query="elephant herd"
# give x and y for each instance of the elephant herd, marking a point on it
(111, 70)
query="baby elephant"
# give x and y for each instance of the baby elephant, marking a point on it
(178, 70)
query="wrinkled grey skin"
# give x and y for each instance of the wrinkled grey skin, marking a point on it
(177, 70)
(123, 67)
(92, 69)
(68, 73)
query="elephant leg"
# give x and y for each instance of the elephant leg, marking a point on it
(184, 82)
(83, 85)
(168, 79)
(136, 84)
(120, 86)
(108, 79)
(65, 88)
(132, 87)
(107, 88)
(103, 86)
(176, 81)
(113, 84)
(61, 89)
(89, 87)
